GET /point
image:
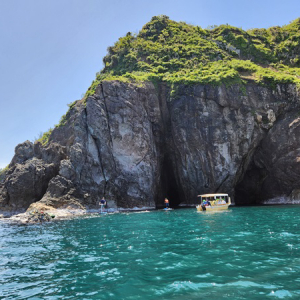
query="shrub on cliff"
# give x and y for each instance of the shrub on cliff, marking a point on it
(176, 52)
(3, 173)
(44, 139)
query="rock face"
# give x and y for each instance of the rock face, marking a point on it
(137, 144)
(274, 171)
(30, 171)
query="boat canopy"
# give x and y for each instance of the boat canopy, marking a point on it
(213, 195)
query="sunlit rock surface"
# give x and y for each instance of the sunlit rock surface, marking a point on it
(135, 144)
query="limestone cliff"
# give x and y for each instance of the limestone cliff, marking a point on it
(135, 144)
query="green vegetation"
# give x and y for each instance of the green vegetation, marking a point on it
(64, 118)
(3, 172)
(45, 137)
(179, 53)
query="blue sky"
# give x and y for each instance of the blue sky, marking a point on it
(51, 50)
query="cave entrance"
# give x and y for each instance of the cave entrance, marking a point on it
(248, 190)
(169, 184)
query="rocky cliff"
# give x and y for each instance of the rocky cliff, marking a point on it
(177, 111)
(135, 144)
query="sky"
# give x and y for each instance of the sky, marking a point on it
(50, 51)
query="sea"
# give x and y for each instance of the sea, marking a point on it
(243, 253)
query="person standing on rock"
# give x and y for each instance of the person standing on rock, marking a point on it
(102, 204)
(167, 202)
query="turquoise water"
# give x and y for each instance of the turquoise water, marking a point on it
(244, 253)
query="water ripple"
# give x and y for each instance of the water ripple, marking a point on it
(246, 253)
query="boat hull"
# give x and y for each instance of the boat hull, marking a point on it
(213, 208)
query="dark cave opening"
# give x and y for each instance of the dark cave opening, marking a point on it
(169, 184)
(248, 190)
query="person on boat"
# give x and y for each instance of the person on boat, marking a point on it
(167, 202)
(223, 201)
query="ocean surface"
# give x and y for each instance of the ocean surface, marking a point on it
(242, 253)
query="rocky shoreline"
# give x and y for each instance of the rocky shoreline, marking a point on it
(36, 216)
(41, 216)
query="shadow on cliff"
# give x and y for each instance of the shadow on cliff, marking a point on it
(171, 189)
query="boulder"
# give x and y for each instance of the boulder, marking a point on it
(27, 183)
